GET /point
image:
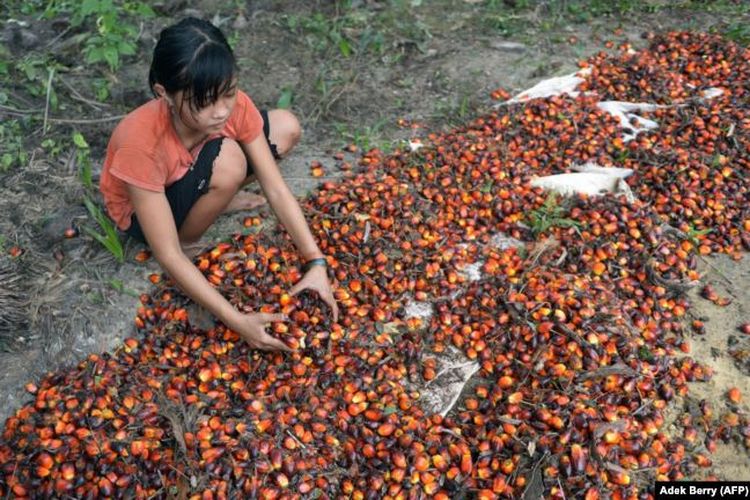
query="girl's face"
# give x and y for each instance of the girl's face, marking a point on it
(210, 119)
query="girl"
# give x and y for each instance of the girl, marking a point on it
(177, 162)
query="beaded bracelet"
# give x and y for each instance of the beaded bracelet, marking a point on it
(314, 262)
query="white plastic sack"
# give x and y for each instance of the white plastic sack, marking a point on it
(631, 123)
(592, 167)
(712, 92)
(416, 309)
(454, 370)
(594, 180)
(502, 241)
(557, 85)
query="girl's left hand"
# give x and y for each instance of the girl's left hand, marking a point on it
(316, 278)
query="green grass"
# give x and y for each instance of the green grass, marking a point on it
(343, 35)
(365, 137)
(344, 41)
(110, 27)
(105, 231)
(119, 286)
(13, 152)
(102, 33)
(108, 238)
(347, 31)
(455, 110)
(545, 16)
(696, 235)
(728, 7)
(738, 31)
(84, 161)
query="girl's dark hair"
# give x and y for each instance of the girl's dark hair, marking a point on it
(193, 56)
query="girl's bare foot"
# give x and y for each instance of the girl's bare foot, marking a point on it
(245, 201)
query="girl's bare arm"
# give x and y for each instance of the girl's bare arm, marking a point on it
(280, 198)
(289, 213)
(155, 217)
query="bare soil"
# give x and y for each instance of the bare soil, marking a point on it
(715, 347)
(77, 299)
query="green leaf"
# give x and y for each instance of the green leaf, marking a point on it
(102, 93)
(80, 141)
(112, 57)
(126, 48)
(388, 410)
(285, 99)
(107, 23)
(645, 354)
(144, 10)
(53, 102)
(117, 284)
(6, 161)
(30, 71)
(110, 239)
(85, 171)
(94, 55)
(87, 8)
(345, 48)
(86, 176)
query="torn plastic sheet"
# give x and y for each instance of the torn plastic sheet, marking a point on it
(557, 85)
(712, 93)
(631, 123)
(416, 309)
(502, 241)
(473, 271)
(593, 181)
(626, 112)
(415, 145)
(454, 370)
(613, 171)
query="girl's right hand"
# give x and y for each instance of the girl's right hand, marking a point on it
(252, 329)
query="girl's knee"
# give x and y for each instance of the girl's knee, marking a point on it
(230, 166)
(285, 130)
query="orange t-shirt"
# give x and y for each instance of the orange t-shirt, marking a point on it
(145, 151)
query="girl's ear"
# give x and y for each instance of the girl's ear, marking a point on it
(160, 91)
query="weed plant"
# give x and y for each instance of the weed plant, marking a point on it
(550, 214)
(104, 31)
(106, 232)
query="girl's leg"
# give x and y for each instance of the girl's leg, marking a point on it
(284, 130)
(284, 133)
(228, 174)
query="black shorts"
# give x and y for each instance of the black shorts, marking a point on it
(184, 193)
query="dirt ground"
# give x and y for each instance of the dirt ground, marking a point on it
(436, 67)
(715, 347)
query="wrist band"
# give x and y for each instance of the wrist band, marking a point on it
(314, 262)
